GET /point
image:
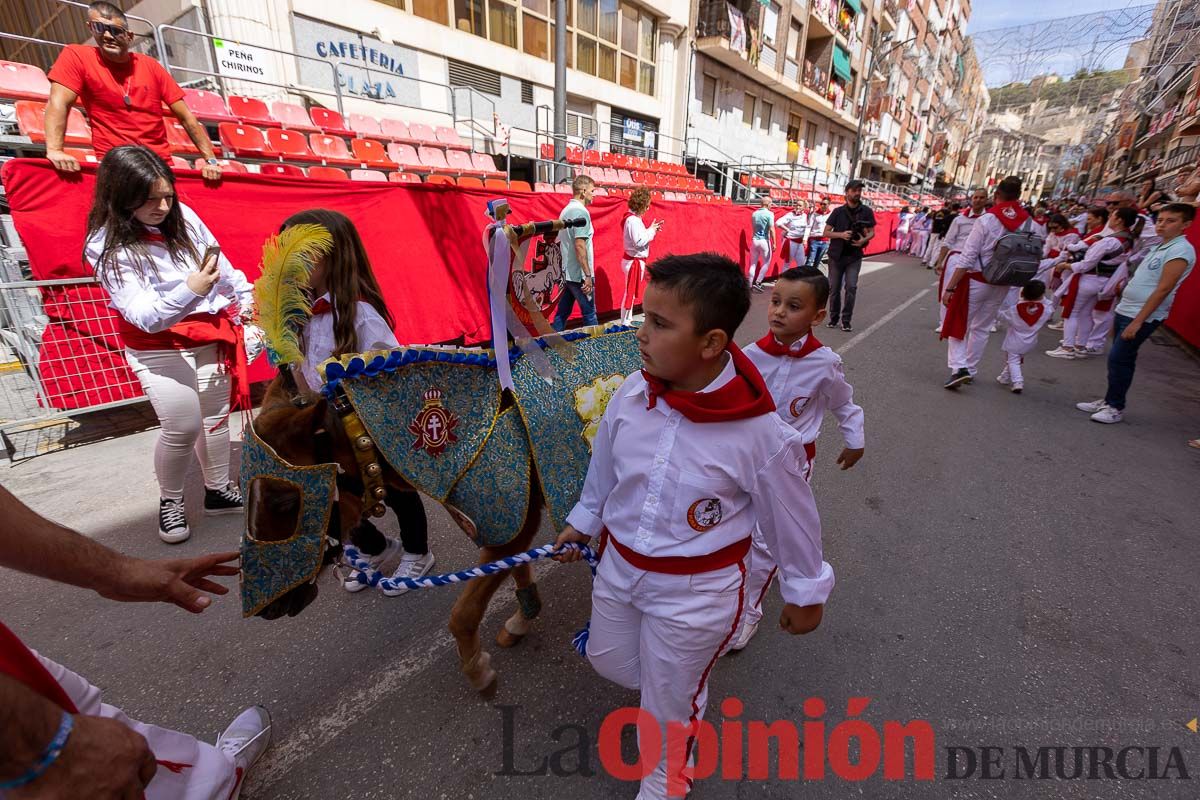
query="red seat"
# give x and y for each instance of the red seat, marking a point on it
(331, 149)
(290, 145)
(23, 82)
(371, 153)
(601, 192)
(434, 159)
(364, 125)
(485, 164)
(547, 151)
(368, 175)
(243, 141)
(459, 162)
(329, 121)
(284, 170)
(469, 182)
(82, 156)
(423, 134)
(608, 158)
(328, 174)
(31, 121)
(442, 179)
(543, 187)
(623, 161)
(207, 106)
(496, 183)
(449, 138)
(611, 177)
(591, 157)
(406, 156)
(396, 130)
(574, 154)
(226, 165)
(252, 111)
(520, 186)
(625, 178)
(178, 139)
(403, 177)
(292, 117)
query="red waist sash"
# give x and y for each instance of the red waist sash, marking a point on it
(198, 330)
(680, 565)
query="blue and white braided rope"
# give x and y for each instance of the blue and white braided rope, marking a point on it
(368, 575)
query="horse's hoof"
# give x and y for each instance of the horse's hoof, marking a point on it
(488, 692)
(507, 639)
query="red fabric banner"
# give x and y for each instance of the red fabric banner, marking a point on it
(425, 244)
(1185, 311)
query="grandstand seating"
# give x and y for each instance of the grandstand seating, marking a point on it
(285, 170)
(459, 162)
(244, 141)
(293, 117)
(434, 159)
(469, 182)
(226, 165)
(331, 149)
(178, 139)
(406, 156)
(290, 145)
(367, 175)
(403, 177)
(31, 121)
(328, 174)
(251, 111)
(371, 153)
(449, 138)
(329, 121)
(207, 106)
(441, 179)
(23, 82)
(365, 126)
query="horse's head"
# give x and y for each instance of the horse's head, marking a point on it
(303, 431)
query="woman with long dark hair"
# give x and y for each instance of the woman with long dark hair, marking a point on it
(180, 305)
(350, 316)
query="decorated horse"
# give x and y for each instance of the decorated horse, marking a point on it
(497, 436)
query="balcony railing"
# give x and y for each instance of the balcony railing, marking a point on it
(816, 78)
(714, 20)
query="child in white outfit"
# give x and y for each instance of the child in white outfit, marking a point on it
(1024, 320)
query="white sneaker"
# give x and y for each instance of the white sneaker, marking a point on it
(1095, 351)
(1108, 415)
(993, 329)
(245, 740)
(1092, 407)
(391, 549)
(1056, 326)
(938, 329)
(413, 567)
(1017, 387)
(744, 637)
(1062, 352)
(1004, 378)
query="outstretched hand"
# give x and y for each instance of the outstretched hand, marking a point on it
(569, 534)
(181, 581)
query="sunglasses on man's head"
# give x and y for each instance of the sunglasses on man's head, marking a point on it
(100, 28)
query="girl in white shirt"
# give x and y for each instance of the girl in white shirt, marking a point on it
(637, 250)
(180, 319)
(350, 316)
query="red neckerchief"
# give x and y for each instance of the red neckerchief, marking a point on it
(1092, 236)
(969, 214)
(321, 306)
(1031, 311)
(771, 346)
(743, 397)
(1010, 214)
(1041, 219)
(152, 236)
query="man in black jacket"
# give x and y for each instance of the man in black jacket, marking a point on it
(848, 229)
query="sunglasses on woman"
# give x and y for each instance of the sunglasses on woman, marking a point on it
(100, 28)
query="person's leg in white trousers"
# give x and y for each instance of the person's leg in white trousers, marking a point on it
(188, 769)
(662, 634)
(189, 391)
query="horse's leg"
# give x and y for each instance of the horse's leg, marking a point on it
(529, 604)
(465, 617)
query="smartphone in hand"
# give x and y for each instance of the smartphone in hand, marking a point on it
(211, 253)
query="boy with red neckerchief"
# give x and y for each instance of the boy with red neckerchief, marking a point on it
(806, 379)
(688, 461)
(972, 304)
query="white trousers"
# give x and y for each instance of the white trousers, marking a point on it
(947, 273)
(932, 248)
(662, 634)
(629, 295)
(985, 302)
(189, 390)
(1102, 325)
(760, 259)
(916, 245)
(188, 769)
(1012, 363)
(796, 254)
(1077, 328)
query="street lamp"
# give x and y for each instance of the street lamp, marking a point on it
(862, 111)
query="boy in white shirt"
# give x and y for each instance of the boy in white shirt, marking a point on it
(1024, 319)
(806, 379)
(688, 461)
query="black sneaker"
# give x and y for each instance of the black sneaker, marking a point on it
(958, 378)
(172, 521)
(223, 501)
(846, 327)
(833, 323)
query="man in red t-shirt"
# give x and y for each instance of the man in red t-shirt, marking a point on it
(123, 94)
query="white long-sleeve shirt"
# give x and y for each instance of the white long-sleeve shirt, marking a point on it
(651, 469)
(1024, 320)
(805, 388)
(977, 250)
(795, 225)
(371, 332)
(816, 224)
(155, 302)
(956, 235)
(637, 237)
(1057, 243)
(1107, 249)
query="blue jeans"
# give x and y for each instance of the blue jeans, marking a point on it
(572, 294)
(816, 252)
(1122, 359)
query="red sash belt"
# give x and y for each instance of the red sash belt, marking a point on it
(785, 252)
(197, 330)
(954, 326)
(1072, 293)
(810, 450)
(680, 565)
(633, 280)
(1105, 306)
(942, 275)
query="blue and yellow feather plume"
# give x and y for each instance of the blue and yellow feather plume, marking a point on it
(281, 294)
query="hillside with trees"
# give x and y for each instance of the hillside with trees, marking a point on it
(1083, 89)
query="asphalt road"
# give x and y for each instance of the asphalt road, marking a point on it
(1007, 570)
